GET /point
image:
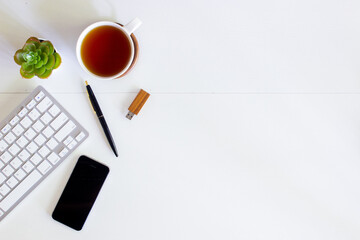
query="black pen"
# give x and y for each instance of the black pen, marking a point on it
(101, 118)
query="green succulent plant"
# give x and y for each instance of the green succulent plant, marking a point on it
(38, 58)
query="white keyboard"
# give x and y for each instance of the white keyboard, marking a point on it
(34, 139)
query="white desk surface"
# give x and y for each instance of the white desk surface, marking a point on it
(252, 130)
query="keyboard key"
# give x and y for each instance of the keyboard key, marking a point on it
(64, 131)
(4, 189)
(18, 130)
(24, 155)
(26, 122)
(30, 134)
(40, 139)
(34, 114)
(52, 143)
(59, 121)
(44, 104)
(1, 164)
(44, 167)
(6, 128)
(6, 157)
(68, 140)
(38, 126)
(28, 166)
(46, 118)
(12, 182)
(1, 212)
(10, 138)
(20, 174)
(53, 158)
(36, 159)
(48, 132)
(54, 110)
(8, 170)
(31, 104)
(44, 151)
(39, 96)
(63, 152)
(14, 120)
(2, 178)
(23, 112)
(32, 147)
(14, 149)
(72, 144)
(15, 163)
(22, 141)
(20, 190)
(80, 136)
(3, 145)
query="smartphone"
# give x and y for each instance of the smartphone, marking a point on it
(80, 193)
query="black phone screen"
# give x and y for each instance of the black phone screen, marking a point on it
(80, 193)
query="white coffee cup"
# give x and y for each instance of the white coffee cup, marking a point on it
(128, 29)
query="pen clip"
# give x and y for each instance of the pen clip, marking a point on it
(91, 103)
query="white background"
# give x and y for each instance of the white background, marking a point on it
(252, 130)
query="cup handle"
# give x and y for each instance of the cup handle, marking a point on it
(133, 25)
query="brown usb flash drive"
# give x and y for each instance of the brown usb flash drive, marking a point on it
(137, 104)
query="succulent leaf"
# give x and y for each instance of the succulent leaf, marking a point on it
(34, 40)
(26, 74)
(51, 62)
(37, 44)
(45, 49)
(29, 68)
(57, 60)
(44, 58)
(40, 71)
(39, 64)
(49, 45)
(18, 57)
(46, 74)
(29, 47)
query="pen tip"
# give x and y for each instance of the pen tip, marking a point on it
(86, 83)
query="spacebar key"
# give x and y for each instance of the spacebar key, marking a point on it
(20, 190)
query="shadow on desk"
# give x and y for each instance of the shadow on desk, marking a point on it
(14, 29)
(68, 18)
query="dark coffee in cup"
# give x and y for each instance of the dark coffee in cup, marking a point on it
(106, 51)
